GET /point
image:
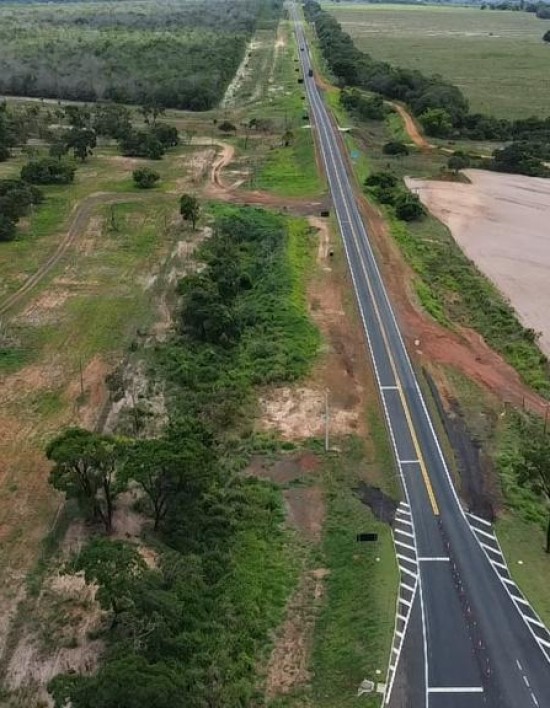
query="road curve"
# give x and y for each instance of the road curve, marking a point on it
(482, 643)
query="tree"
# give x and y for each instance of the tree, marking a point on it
(408, 207)
(145, 178)
(395, 148)
(141, 144)
(125, 682)
(84, 469)
(8, 228)
(77, 116)
(533, 470)
(227, 127)
(387, 180)
(167, 469)
(151, 111)
(115, 567)
(546, 36)
(189, 208)
(166, 134)
(112, 120)
(436, 122)
(458, 161)
(81, 141)
(48, 170)
(519, 158)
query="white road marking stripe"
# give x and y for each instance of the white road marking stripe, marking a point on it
(455, 689)
(405, 602)
(404, 533)
(410, 588)
(424, 559)
(490, 548)
(534, 621)
(389, 388)
(521, 599)
(478, 518)
(409, 572)
(409, 462)
(509, 581)
(484, 533)
(404, 521)
(499, 564)
(544, 642)
(405, 545)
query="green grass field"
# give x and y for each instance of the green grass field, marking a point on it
(497, 58)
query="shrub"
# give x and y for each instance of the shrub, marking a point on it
(141, 143)
(7, 228)
(145, 178)
(395, 148)
(386, 180)
(408, 207)
(458, 161)
(48, 170)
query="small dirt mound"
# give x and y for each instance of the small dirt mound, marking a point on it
(381, 505)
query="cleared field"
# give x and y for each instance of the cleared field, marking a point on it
(497, 58)
(501, 223)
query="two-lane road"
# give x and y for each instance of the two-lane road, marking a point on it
(479, 650)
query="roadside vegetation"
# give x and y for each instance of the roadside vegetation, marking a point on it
(441, 107)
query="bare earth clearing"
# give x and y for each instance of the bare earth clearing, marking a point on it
(501, 223)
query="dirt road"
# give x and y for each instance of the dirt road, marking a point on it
(410, 126)
(79, 217)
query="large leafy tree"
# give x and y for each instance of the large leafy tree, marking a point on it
(169, 469)
(85, 466)
(115, 567)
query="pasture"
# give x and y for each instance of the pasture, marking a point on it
(497, 58)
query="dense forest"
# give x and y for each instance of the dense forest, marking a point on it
(179, 55)
(441, 107)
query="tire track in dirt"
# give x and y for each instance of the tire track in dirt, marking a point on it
(81, 214)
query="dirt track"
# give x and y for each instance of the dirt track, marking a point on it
(410, 126)
(80, 215)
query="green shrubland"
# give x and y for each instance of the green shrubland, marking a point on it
(191, 630)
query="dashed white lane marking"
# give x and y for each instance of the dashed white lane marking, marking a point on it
(409, 462)
(434, 559)
(389, 388)
(455, 689)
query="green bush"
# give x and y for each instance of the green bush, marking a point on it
(145, 178)
(48, 170)
(408, 207)
(395, 148)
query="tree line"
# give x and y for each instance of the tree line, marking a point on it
(441, 107)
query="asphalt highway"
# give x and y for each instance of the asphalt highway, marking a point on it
(479, 648)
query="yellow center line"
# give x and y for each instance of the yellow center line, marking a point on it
(410, 425)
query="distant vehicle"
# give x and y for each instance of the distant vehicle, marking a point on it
(310, 72)
(301, 49)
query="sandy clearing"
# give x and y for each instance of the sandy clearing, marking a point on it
(501, 223)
